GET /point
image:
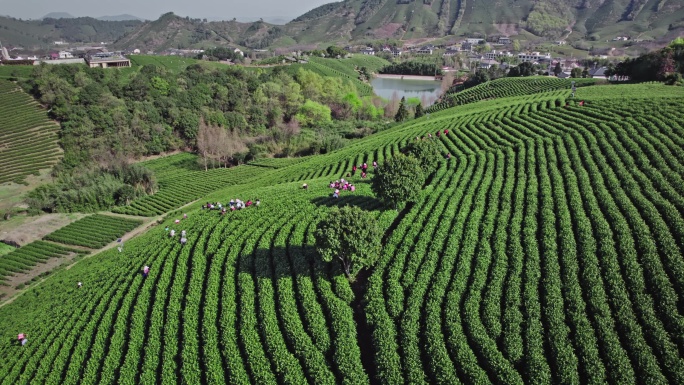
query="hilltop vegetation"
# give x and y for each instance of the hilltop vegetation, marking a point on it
(547, 249)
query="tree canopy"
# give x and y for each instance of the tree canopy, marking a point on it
(427, 153)
(402, 113)
(398, 180)
(349, 235)
(105, 113)
(413, 67)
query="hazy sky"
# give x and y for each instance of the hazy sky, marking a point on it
(152, 9)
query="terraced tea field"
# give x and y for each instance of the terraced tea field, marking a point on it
(547, 250)
(95, 231)
(26, 257)
(506, 87)
(28, 139)
(181, 181)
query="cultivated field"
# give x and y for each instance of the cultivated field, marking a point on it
(547, 250)
(506, 87)
(95, 231)
(343, 68)
(28, 139)
(182, 180)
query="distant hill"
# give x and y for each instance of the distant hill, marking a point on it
(65, 15)
(58, 15)
(278, 20)
(554, 19)
(41, 33)
(172, 31)
(123, 17)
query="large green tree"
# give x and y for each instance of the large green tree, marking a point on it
(349, 235)
(427, 153)
(398, 180)
(419, 111)
(402, 112)
(557, 70)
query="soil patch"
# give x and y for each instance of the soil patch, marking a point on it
(21, 230)
(388, 30)
(507, 29)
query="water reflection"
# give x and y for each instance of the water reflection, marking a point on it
(425, 90)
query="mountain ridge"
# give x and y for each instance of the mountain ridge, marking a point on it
(551, 19)
(580, 22)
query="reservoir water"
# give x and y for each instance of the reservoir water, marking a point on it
(424, 89)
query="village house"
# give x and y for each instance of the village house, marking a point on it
(65, 55)
(450, 52)
(504, 40)
(474, 40)
(466, 47)
(392, 51)
(488, 63)
(367, 51)
(107, 60)
(427, 50)
(534, 57)
(497, 54)
(598, 73)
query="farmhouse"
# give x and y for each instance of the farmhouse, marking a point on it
(107, 60)
(598, 73)
(425, 50)
(533, 57)
(497, 54)
(392, 51)
(474, 40)
(488, 63)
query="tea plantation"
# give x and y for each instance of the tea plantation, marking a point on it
(548, 249)
(28, 139)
